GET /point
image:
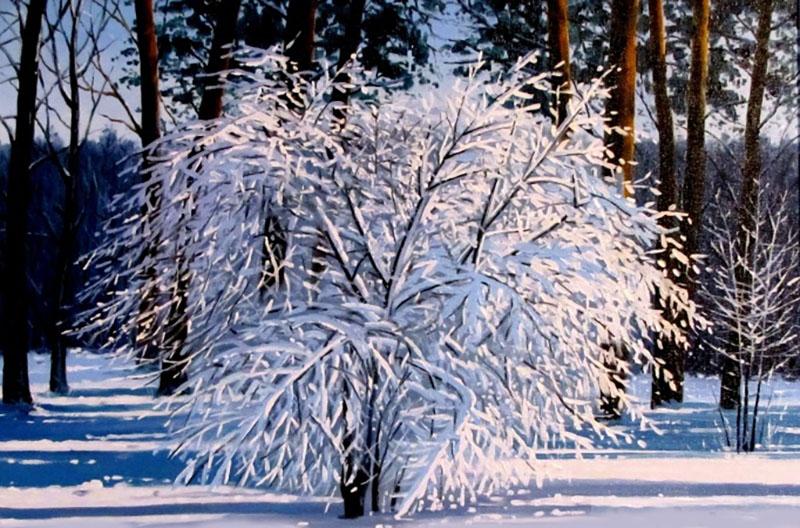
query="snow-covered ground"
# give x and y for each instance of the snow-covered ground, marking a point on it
(99, 458)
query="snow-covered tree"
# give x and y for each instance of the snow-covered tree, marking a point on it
(475, 268)
(753, 300)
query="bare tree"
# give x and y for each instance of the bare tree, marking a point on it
(16, 388)
(227, 15)
(71, 32)
(753, 298)
(730, 376)
(352, 21)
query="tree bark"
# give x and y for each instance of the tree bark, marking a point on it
(694, 179)
(67, 250)
(148, 71)
(352, 40)
(16, 387)
(670, 356)
(301, 18)
(621, 106)
(354, 480)
(173, 366)
(747, 207)
(149, 132)
(227, 15)
(558, 44)
(619, 142)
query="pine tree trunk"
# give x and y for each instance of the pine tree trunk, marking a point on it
(694, 179)
(16, 387)
(173, 366)
(621, 106)
(619, 142)
(301, 18)
(670, 357)
(558, 44)
(227, 16)
(148, 71)
(150, 130)
(731, 368)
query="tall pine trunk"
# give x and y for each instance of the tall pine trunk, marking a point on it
(619, 144)
(747, 207)
(621, 106)
(558, 48)
(694, 178)
(16, 387)
(669, 355)
(149, 132)
(694, 181)
(227, 16)
(174, 364)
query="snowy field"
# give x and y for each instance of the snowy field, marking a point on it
(99, 458)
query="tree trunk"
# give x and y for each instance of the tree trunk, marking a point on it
(614, 361)
(558, 44)
(670, 356)
(175, 361)
(621, 106)
(148, 71)
(352, 40)
(227, 15)
(150, 131)
(301, 18)
(694, 179)
(354, 481)
(619, 141)
(731, 368)
(16, 387)
(174, 364)
(67, 249)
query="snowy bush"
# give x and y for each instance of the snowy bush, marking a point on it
(404, 306)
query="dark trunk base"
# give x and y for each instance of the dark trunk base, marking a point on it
(353, 498)
(16, 389)
(58, 369)
(667, 384)
(354, 493)
(173, 378)
(730, 384)
(611, 405)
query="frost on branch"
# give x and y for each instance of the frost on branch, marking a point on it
(476, 267)
(753, 297)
